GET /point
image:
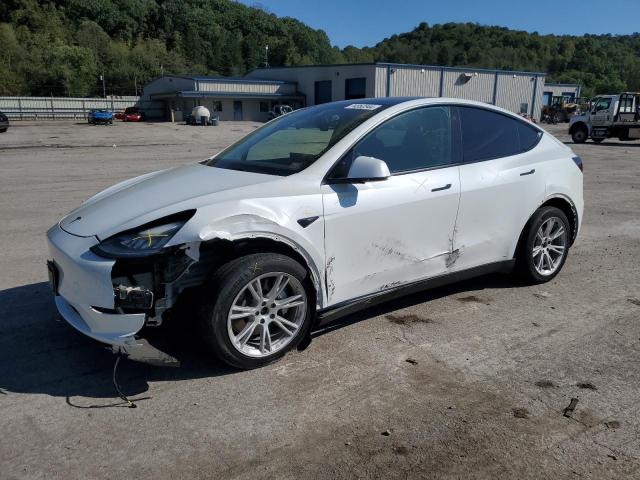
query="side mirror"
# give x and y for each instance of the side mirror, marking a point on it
(368, 169)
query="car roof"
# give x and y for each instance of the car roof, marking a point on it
(384, 101)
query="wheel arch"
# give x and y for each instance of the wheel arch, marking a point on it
(231, 248)
(566, 206)
(577, 125)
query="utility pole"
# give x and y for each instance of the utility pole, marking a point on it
(162, 70)
(104, 88)
(266, 56)
(135, 85)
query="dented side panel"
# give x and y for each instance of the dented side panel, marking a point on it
(380, 235)
(274, 218)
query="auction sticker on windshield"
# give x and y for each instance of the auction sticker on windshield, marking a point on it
(363, 106)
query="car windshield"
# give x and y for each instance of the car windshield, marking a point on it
(294, 141)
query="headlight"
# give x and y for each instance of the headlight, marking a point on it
(144, 241)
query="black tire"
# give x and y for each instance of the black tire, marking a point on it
(219, 294)
(579, 135)
(2, 130)
(525, 268)
(598, 140)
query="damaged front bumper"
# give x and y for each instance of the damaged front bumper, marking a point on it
(84, 296)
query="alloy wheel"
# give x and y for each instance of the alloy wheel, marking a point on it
(267, 314)
(549, 246)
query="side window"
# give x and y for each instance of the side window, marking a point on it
(528, 136)
(487, 135)
(410, 141)
(602, 104)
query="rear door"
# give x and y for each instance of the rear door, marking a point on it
(383, 234)
(502, 181)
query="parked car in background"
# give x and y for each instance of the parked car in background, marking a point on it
(100, 115)
(4, 123)
(132, 114)
(314, 215)
(119, 115)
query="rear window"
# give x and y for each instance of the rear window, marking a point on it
(487, 135)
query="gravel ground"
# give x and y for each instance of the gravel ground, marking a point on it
(468, 381)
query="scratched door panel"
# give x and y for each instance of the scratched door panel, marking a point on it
(379, 235)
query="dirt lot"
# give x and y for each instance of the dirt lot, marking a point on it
(493, 364)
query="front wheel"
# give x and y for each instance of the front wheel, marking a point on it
(544, 245)
(580, 135)
(256, 309)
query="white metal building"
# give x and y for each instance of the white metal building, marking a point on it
(251, 97)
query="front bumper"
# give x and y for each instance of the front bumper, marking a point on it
(84, 296)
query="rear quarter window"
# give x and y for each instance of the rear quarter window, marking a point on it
(528, 136)
(487, 135)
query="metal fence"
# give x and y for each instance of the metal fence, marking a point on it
(25, 108)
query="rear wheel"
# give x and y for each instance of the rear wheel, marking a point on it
(544, 245)
(580, 134)
(261, 309)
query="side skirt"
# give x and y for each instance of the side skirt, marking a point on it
(351, 306)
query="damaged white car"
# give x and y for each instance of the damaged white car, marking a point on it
(318, 213)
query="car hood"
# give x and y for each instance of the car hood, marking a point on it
(146, 198)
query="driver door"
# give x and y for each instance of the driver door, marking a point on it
(602, 112)
(380, 235)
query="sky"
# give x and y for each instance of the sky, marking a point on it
(364, 23)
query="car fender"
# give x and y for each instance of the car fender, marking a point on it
(254, 225)
(576, 212)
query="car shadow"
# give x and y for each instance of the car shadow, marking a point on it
(605, 144)
(41, 354)
(479, 283)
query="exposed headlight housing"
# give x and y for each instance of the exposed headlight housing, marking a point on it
(144, 241)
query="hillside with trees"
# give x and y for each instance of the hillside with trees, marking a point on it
(602, 63)
(61, 47)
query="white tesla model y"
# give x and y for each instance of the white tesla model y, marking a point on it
(315, 214)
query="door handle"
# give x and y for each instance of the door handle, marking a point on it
(439, 189)
(530, 172)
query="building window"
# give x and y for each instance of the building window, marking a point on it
(322, 92)
(355, 88)
(217, 106)
(524, 108)
(264, 107)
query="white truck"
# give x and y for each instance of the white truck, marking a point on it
(610, 116)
